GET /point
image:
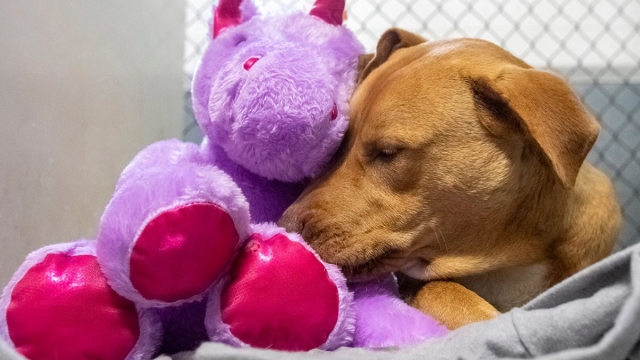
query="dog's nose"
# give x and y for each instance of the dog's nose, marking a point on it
(290, 221)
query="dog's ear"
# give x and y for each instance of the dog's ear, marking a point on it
(392, 40)
(363, 61)
(541, 107)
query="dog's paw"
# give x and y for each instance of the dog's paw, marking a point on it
(452, 304)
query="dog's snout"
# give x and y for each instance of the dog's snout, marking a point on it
(306, 222)
(291, 221)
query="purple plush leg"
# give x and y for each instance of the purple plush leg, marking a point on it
(280, 295)
(58, 305)
(183, 327)
(383, 319)
(171, 228)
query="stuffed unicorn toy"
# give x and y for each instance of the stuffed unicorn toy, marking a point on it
(188, 247)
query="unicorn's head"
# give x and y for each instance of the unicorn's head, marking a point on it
(273, 90)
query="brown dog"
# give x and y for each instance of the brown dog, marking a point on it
(463, 163)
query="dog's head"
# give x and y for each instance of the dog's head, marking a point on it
(451, 146)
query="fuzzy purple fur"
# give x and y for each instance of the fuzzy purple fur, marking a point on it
(383, 319)
(183, 327)
(150, 326)
(268, 199)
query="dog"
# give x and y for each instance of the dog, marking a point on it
(464, 169)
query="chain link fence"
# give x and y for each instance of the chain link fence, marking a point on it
(595, 44)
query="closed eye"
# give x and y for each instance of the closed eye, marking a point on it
(386, 154)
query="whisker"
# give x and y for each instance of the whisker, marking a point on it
(446, 249)
(437, 238)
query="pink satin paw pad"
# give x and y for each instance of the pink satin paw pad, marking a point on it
(280, 296)
(182, 251)
(62, 308)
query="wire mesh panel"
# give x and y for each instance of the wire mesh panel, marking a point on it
(595, 44)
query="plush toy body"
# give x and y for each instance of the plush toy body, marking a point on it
(188, 238)
(271, 97)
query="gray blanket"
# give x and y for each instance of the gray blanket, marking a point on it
(593, 315)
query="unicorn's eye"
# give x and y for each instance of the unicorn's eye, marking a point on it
(250, 62)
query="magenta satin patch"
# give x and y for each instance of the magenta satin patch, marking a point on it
(182, 251)
(280, 296)
(63, 309)
(250, 62)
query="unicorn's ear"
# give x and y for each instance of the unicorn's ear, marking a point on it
(331, 11)
(230, 13)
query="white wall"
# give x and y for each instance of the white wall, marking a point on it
(84, 85)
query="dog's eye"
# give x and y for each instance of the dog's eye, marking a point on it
(387, 154)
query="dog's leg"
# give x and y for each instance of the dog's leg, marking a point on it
(448, 302)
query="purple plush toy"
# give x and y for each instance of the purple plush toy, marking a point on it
(187, 245)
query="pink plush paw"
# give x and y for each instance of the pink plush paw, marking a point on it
(182, 251)
(280, 295)
(59, 306)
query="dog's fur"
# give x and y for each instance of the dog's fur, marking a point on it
(463, 163)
